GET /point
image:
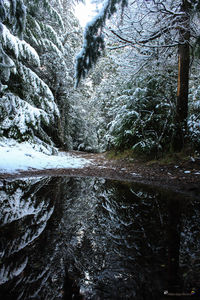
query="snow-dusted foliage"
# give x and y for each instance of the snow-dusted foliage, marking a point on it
(56, 42)
(19, 48)
(13, 15)
(138, 101)
(194, 110)
(146, 27)
(20, 120)
(93, 39)
(83, 121)
(37, 91)
(136, 113)
(36, 88)
(134, 87)
(27, 103)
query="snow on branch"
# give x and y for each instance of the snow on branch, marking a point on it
(38, 87)
(20, 114)
(21, 49)
(50, 46)
(93, 40)
(54, 13)
(51, 35)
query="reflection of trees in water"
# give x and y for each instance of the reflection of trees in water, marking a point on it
(190, 244)
(30, 264)
(119, 242)
(112, 237)
(23, 214)
(116, 240)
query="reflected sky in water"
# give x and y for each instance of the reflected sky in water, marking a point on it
(113, 240)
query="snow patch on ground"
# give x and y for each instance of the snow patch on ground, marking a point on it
(16, 157)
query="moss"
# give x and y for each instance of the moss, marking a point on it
(166, 159)
(117, 154)
(174, 158)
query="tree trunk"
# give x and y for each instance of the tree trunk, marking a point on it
(183, 81)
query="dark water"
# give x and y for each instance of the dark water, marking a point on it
(113, 240)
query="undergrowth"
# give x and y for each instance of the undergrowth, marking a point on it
(163, 159)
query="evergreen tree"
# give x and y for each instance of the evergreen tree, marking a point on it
(56, 42)
(27, 103)
(135, 113)
(37, 94)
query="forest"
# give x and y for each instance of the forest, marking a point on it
(128, 81)
(104, 201)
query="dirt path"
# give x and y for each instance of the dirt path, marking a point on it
(183, 177)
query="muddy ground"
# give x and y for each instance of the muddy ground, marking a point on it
(182, 177)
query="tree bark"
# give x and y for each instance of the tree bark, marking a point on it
(181, 113)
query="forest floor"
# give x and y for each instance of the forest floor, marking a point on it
(182, 176)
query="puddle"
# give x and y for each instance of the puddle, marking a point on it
(89, 238)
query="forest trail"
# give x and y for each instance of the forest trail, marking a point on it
(183, 177)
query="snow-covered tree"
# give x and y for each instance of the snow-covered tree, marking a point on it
(28, 108)
(194, 108)
(154, 29)
(135, 113)
(83, 120)
(56, 42)
(153, 33)
(38, 101)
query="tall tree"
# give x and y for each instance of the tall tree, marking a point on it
(27, 104)
(183, 77)
(47, 30)
(36, 78)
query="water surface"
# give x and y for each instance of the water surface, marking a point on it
(62, 237)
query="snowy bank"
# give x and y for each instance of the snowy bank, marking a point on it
(16, 157)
